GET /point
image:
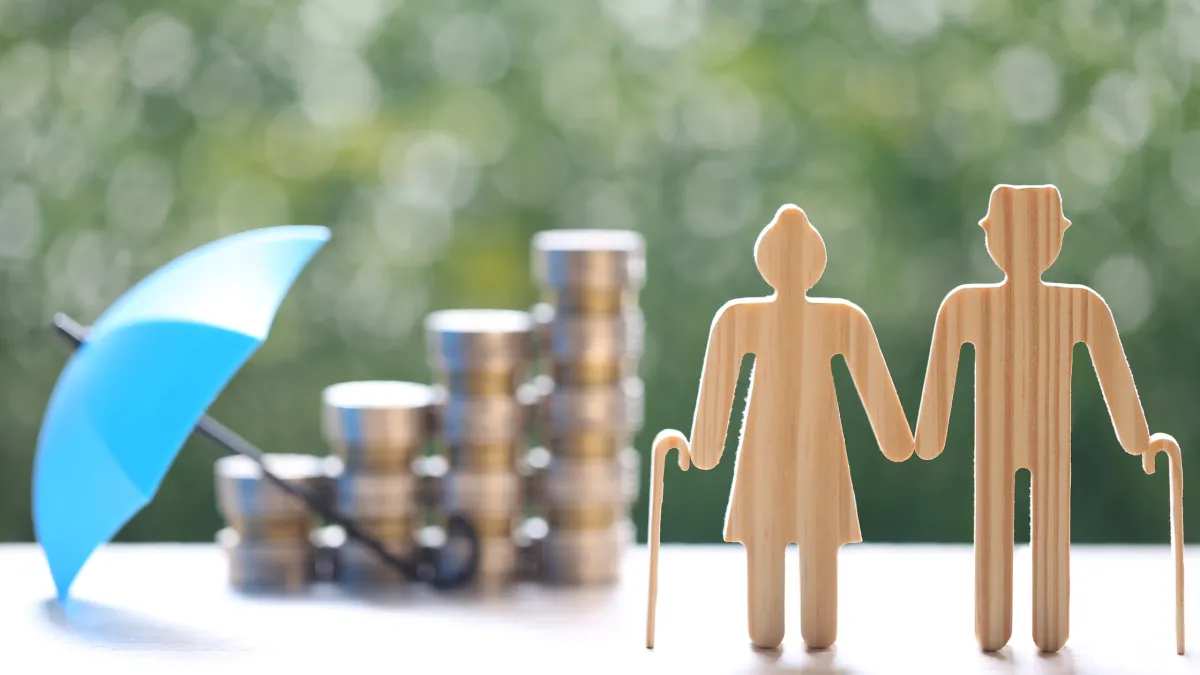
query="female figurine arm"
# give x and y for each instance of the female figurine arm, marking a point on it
(860, 347)
(727, 342)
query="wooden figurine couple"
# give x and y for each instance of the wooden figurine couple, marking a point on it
(792, 477)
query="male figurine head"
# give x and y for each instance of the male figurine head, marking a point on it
(790, 252)
(1025, 227)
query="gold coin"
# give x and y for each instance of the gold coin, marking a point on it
(483, 492)
(588, 444)
(359, 566)
(483, 382)
(573, 482)
(481, 419)
(376, 458)
(583, 557)
(590, 301)
(377, 495)
(565, 409)
(589, 337)
(484, 457)
(397, 533)
(489, 526)
(581, 518)
(497, 563)
(280, 530)
(590, 372)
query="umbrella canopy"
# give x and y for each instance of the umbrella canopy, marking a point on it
(153, 363)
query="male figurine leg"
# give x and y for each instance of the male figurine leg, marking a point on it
(1051, 536)
(993, 557)
(765, 560)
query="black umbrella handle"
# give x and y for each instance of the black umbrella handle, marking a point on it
(456, 527)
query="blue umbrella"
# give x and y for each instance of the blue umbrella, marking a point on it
(442, 568)
(152, 364)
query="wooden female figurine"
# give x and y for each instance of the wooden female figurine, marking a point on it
(792, 478)
(1023, 330)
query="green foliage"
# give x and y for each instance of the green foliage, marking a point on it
(435, 137)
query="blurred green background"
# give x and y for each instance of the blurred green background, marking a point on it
(437, 136)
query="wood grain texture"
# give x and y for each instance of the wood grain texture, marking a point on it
(663, 443)
(1023, 331)
(792, 477)
(1167, 444)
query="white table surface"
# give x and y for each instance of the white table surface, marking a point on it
(904, 609)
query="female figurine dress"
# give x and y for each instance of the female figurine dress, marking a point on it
(792, 477)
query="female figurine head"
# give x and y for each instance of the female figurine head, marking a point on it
(790, 252)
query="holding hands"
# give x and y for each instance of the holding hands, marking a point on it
(792, 480)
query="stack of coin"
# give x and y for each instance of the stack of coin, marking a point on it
(590, 336)
(377, 431)
(267, 538)
(481, 361)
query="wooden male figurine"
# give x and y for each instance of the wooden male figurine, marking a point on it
(792, 478)
(1023, 330)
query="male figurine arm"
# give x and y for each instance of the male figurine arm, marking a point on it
(875, 386)
(937, 394)
(1116, 378)
(718, 380)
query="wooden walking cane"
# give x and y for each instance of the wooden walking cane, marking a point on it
(1167, 444)
(663, 443)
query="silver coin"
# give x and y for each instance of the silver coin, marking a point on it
(358, 565)
(267, 565)
(627, 534)
(571, 338)
(571, 482)
(478, 457)
(566, 410)
(244, 493)
(587, 443)
(376, 418)
(601, 259)
(376, 495)
(481, 420)
(532, 466)
(498, 559)
(631, 474)
(492, 493)
(464, 340)
(583, 558)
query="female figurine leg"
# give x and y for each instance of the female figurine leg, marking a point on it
(819, 594)
(765, 575)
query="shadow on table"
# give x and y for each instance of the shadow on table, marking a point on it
(527, 597)
(1060, 663)
(118, 628)
(822, 662)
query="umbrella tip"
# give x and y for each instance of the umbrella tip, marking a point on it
(69, 328)
(62, 588)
